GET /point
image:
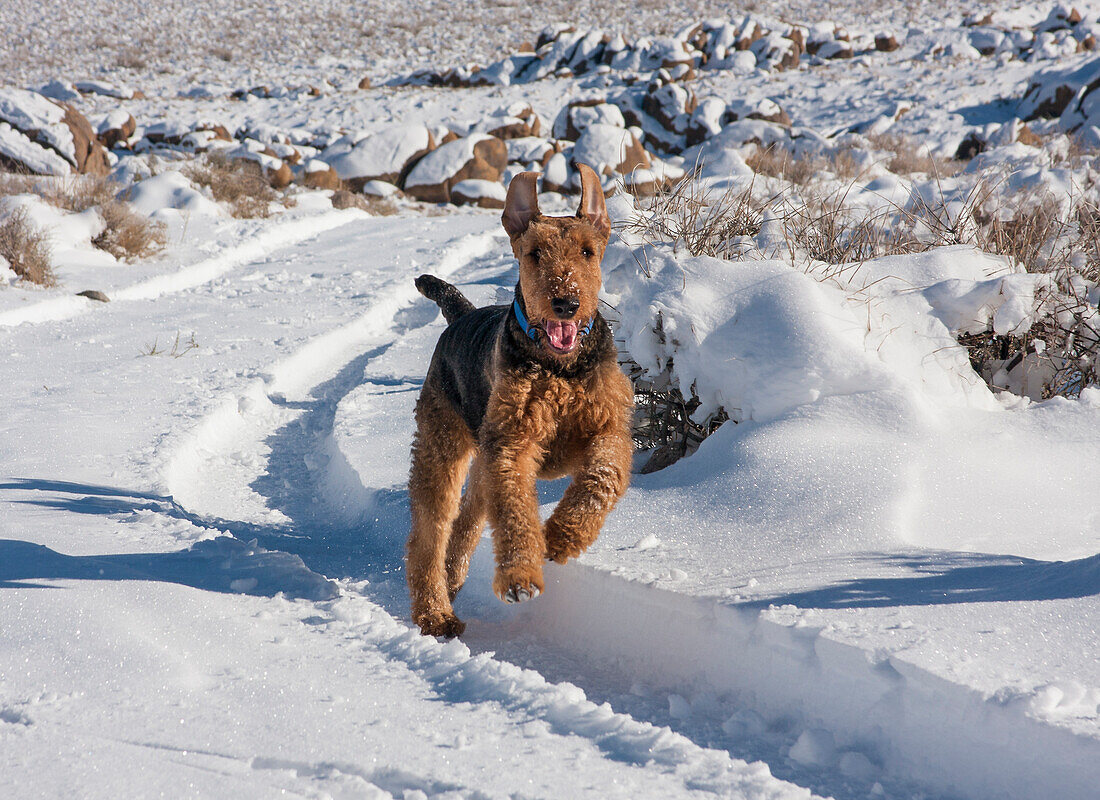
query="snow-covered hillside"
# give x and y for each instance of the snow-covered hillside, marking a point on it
(880, 578)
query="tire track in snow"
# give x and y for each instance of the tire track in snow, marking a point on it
(276, 236)
(325, 368)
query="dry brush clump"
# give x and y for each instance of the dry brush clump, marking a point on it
(663, 417)
(128, 235)
(239, 183)
(26, 248)
(705, 222)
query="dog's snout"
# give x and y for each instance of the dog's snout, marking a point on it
(565, 307)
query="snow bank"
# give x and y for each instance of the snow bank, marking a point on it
(171, 191)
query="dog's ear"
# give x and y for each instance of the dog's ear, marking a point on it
(592, 207)
(522, 204)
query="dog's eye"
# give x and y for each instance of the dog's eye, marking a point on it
(587, 252)
(534, 254)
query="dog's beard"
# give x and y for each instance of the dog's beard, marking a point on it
(562, 336)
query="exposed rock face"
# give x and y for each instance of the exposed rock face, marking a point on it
(91, 157)
(476, 157)
(47, 137)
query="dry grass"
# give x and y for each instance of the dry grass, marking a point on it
(128, 235)
(238, 183)
(74, 193)
(26, 249)
(779, 162)
(826, 229)
(910, 159)
(704, 221)
(178, 350)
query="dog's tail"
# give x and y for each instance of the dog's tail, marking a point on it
(453, 303)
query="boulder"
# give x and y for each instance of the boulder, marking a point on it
(318, 175)
(47, 137)
(517, 121)
(886, 42)
(605, 147)
(116, 128)
(766, 109)
(670, 105)
(556, 175)
(528, 150)
(91, 157)
(477, 157)
(578, 115)
(386, 155)
(484, 194)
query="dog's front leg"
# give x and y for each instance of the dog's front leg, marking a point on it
(597, 485)
(517, 534)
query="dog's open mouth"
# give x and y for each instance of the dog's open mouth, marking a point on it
(560, 335)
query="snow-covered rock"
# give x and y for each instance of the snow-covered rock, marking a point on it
(477, 156)
(51, 126)
(485, 194)
(605, 147)
(385, 155)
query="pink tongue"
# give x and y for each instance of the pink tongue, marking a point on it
(563, 335)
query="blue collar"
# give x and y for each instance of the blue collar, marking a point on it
(532, 332)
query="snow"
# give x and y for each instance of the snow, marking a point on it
(170, 191)
(878, 579)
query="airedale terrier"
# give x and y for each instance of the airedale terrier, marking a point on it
(527, 390)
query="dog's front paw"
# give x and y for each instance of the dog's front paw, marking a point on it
(560, 544)
(516, 584)
(435, 623)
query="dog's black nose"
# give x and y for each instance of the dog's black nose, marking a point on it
(565, 307)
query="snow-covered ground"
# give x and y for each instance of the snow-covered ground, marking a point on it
(880, 580)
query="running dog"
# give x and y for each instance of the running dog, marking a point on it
(514, 393)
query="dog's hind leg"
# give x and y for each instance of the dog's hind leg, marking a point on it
(466, 532)
(440, 457)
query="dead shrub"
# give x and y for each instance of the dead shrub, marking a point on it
(238, 183)
(910, 159)
(662, 418)
(777, 161)
(26, 249)
(80, 192)
(132, 58)
(128, 235)
(705, 221)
